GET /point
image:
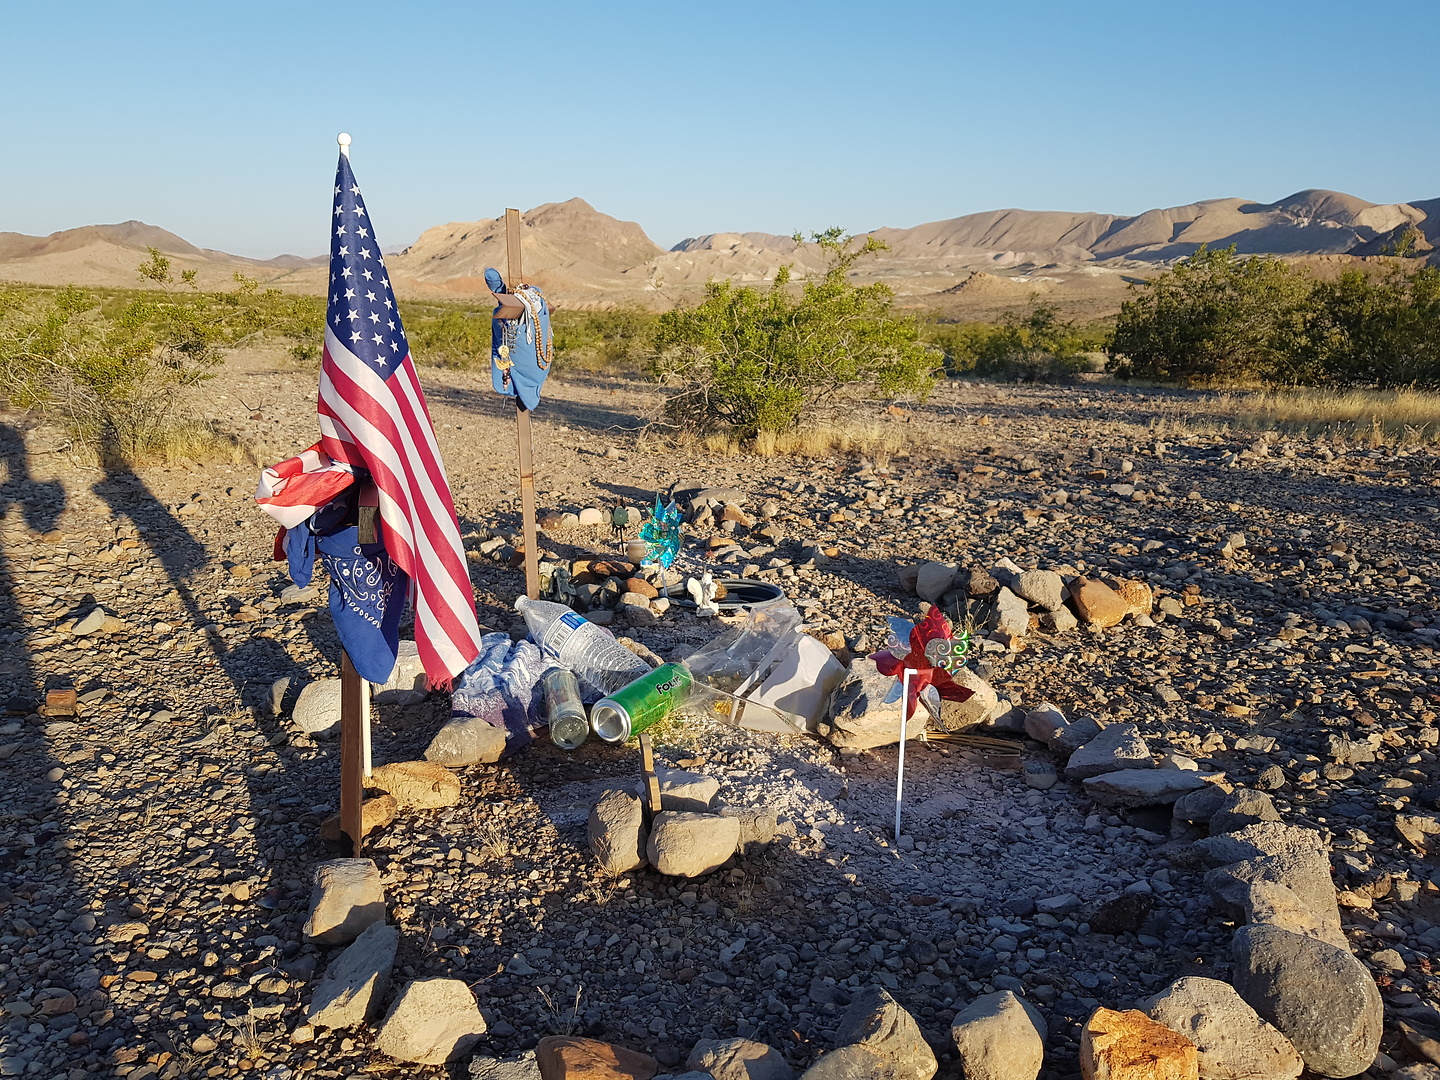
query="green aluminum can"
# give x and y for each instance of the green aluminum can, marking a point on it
(641, 704)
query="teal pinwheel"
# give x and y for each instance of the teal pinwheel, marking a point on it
(662, 535)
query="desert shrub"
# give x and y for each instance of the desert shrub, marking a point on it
(113, 365)
(447, 335)
(745, 361)
(1215, 318)
(1375, 330)
(618, 340)
(1036, 345)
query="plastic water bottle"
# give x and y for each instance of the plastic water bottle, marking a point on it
(595, 657)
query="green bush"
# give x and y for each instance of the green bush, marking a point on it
(112, 365)
(1376, 330)
(1215, 318)
(1034, 346)
(745, 361)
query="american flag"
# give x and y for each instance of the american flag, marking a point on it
(373, 416)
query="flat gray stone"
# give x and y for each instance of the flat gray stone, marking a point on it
(430, 1022)
(346, 898)
(690, 845)
(466, 740)
(617, 832)
(407, 684)
(317, 709)
(1044, 589)
(356, 981)
(738, 1059)
(1143, 787)
(879, 1024)
(1118, 746)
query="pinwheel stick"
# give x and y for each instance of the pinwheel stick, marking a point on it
(900, 767)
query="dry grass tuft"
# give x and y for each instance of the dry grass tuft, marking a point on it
(1374, 417)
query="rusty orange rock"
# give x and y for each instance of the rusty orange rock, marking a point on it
(1097, 603)
(1139, 597)
(1130, 1046)
(563, 1057)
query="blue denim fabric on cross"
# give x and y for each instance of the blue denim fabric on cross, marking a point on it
(367, 589)
(527, 345)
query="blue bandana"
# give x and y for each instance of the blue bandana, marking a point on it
(520, 349)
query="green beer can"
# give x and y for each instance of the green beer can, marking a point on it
(642, 704)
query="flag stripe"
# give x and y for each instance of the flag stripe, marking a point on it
(416, 514)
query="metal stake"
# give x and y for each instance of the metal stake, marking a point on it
(900, 766)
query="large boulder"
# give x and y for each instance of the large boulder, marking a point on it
(1320, 998)
(1305, 873)
(689, 845)
(1012, 615)
(420, 785)
(1130, 1046)
(617, 832)
(430, 1022)
(466, 740)
(355, 983)
(738, 1059)
(346, 897)
(1243, 807)
(860, 717)
(878, 1023)
(1117, 747)
(1234, 1043)
(1270, 904)
(1000, 1037)
(1260, 839)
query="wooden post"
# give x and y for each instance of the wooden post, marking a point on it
(353, 722)
(647, 771)
(522, 427)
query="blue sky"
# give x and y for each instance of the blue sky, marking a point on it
(217, 121)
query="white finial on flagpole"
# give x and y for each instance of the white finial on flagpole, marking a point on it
(344, 140)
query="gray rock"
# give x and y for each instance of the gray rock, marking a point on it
(1118, 746)
(1243, 807)
(355, 983)
(1343, 751)
(757, 827)
(431, 1021)
(317, 709)
(738, 1059)
(682, 790)
(1264, 838)
(689, 845)
(854, 1063)
(1012, 615)
(522, 1067)
(1320, 998)
(617, 833)
(1080, 730)
(1000, 1037)
(972, 712)
(877, 1022)
(1044, 722)
(466, 740)
(1060, 621)
(934, 580)
(1143, 787)
(92, 622)
(1306, 874)
(1267, 903)
(1043, 588)
(279, 694)
(407, 684)
(346, 898)
(1234, 1043)
(1040, 774)
(859, 717)
(1200, 806)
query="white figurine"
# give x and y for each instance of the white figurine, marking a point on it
(702, 591)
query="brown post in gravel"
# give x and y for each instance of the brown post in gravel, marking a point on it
(522, 427)
(352, 754)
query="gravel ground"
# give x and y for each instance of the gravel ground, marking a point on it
(155, 850)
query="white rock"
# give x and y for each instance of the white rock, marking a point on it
(1000, 1037)
(1118, 746)
(689, 845)
(355, 983)
(1144, 787)
(407, 684)
(317, 709)
(1234, 1043)
(347, 897)
(431, 1021)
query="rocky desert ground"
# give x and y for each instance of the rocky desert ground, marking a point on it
(157, 848)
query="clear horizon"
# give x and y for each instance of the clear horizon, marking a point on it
(220, 126)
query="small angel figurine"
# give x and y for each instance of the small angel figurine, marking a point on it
(703, 591)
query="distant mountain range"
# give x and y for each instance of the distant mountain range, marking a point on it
(587, 258)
